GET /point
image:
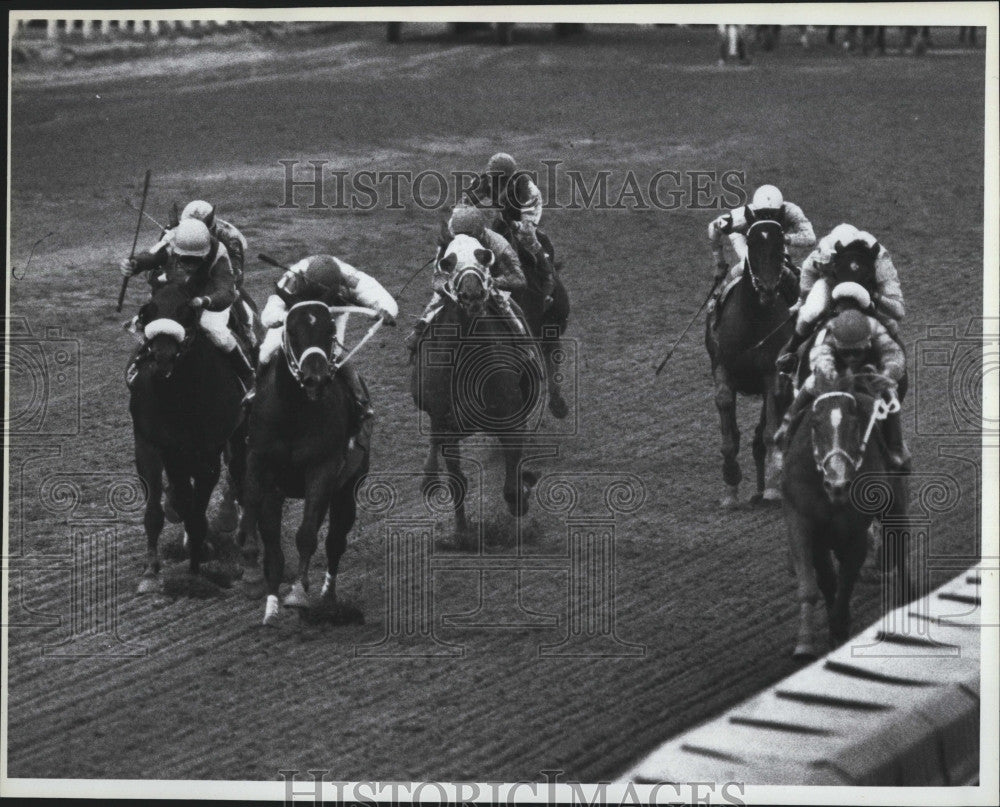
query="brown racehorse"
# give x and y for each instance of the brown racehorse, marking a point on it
(299, 447)
(743, 357)
(472, 375)
(185, 407)
(833, 443)
(547, 325)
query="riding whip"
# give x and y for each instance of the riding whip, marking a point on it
(138, 225)
(143, 213)
(371, 332)
(673, 347)
(784, 322)
(275, 263)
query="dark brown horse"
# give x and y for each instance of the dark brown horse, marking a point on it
(834, 442)
(185, 407)
(743, 356)
(300, 447)
(474, 375)
(547, 325)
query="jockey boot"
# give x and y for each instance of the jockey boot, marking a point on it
(132, 368)
(546, 277)
(413, 340)
(899, 453)
(787, 356)
(804, 398)
(241, 365)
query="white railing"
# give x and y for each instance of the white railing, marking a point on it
(56, 29)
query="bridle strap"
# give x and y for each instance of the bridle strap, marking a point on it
(880, 410)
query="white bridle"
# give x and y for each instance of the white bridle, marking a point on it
(880, 411)
(340, 313)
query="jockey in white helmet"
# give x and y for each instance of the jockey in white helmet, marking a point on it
(846, 255)
(201, 263)
(236, 243)
(767, 204)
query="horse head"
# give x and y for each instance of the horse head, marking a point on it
(468, 264)
(842, 424)
(169, 322)
(855, 262)
(308, 346)
(765, 258)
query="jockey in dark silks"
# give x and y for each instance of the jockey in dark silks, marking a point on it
(334, 282)
(199, 262)
(851, 342)
(518, 205)
(506, 270)
(846, 255)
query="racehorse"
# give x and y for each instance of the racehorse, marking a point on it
(829, 447)
(547, 325)
(473, 376)
(300, 447)
(743, 340)
(186, 411)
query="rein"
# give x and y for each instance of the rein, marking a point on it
(880, 411)
(333, 361)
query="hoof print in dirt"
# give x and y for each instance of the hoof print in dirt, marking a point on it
(339, 613)
(191, 586)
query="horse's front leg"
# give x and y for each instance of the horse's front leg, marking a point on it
(457, 482)
(319, 490)
(431, 465)
(256, 480)
(771, 419)
(800, 546)
(725, 402)
(851, 561)
(232, 490)
(516, 491)
(269, 522)
(343, 511)
(150, 467)
(205, 477)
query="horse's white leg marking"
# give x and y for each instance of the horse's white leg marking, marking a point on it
(271, 609)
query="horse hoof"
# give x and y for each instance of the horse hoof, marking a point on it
(148, 585)
(729, 502)
(772, 496)
(297, 597)
(805, 652)
(186, 540)
(271, 610)
(558, 407)
(228, 520)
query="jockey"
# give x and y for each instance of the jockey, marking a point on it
(851, 341)
(333, 282)
(506, 271)
(834, 262)
(234, 241)
(767, 205)
(202, 264)
(518, 203)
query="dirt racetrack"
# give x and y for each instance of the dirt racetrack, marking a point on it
(892, 144)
